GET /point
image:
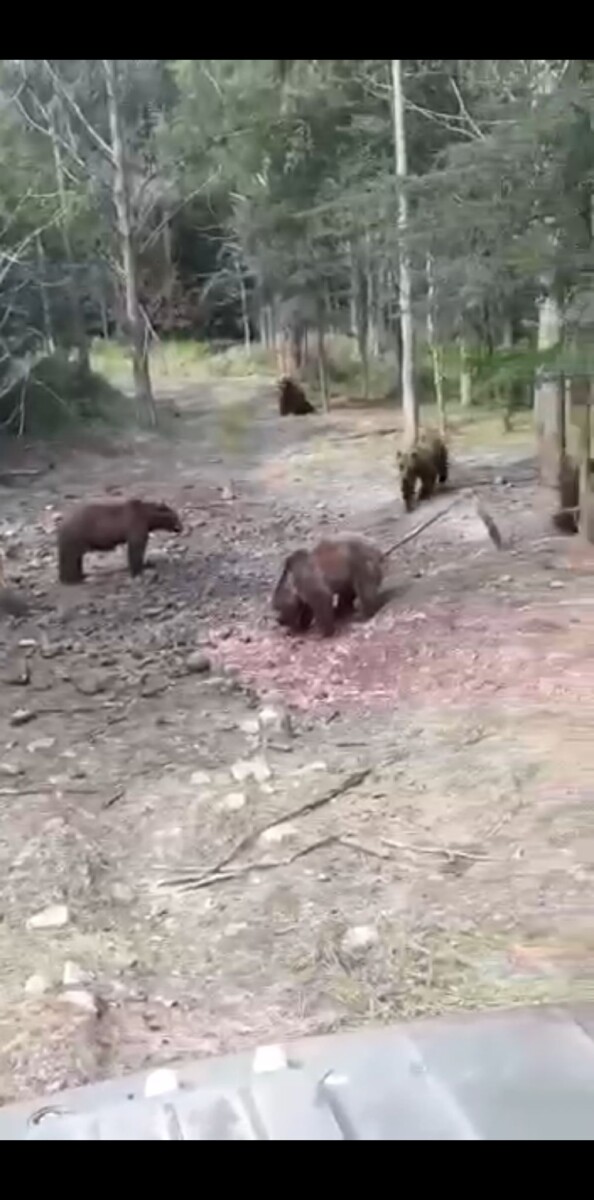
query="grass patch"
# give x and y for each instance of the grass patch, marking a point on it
(185, 361)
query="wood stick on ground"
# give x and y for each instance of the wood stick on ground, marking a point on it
(193, 883)
(489, 523)
(413, 533)
(447, 851)
(212, 873)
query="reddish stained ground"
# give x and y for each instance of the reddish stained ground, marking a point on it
(443, 652)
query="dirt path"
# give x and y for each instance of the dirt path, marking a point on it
(442, 756)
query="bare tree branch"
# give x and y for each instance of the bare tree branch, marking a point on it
(93, 134)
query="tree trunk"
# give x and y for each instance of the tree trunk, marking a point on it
(549, 407)
(465, 376)
(245, 319)
(409, 400)
(103, 305)
(436, 355)
(507, 393)
(360, 301)
(77, 328)
(169, 270)
(581, 415)
(121, 198)
(322, 363)
(45, 308)
(373, 337)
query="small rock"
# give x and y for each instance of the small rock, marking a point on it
(36, 985)
(91, 683)
(275, 720)
(233, 801)
(153, 685)
(44, 743)
(250, 726)
(81, 999)
(22, 716)
(277, 833)
(16, 673)
(9, 771)
(121, 893)
(254, 768)
(52, 649)
(73, 975)
(199, 778)
(234, 928)
(198, 663)
(358, 939)
(53, 917)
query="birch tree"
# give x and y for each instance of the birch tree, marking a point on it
(121, 197)
(409, 400)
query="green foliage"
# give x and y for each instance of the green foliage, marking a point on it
(269, 186)
(54, 395)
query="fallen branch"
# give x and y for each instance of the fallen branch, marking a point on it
(444, 851)
(489, 524)
(367, 433)
(218, 870)
(482, 512)
(413, 533)
(193, 883)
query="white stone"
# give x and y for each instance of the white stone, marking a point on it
(42, 743)
(199, 778)
(359, 938)
(250, 726)
(36, 985)
(161, 1081)
(234, 801)
(81, 999)
(73, 975)
(53, 917)
(10, 771)
(278, 833)
(269, 1058)
(254, 768)
(275, 719)
(234, 927)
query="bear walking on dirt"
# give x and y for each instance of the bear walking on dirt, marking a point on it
(292, 400)
(347, 568)
(425, 463)
(104, 526)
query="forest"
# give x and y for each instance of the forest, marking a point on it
(317, 753)
(437, 214)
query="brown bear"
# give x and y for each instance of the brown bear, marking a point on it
(346, 568)
(426, 463)
(292, 400)
(105, 526)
